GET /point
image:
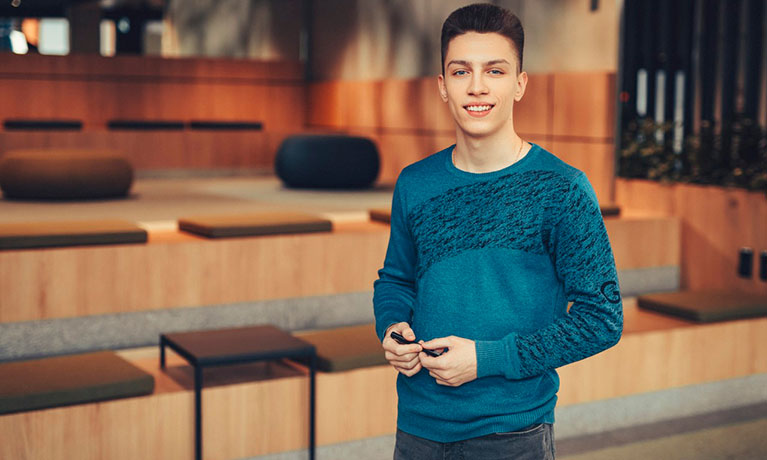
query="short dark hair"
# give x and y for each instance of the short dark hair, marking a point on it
(483, 18)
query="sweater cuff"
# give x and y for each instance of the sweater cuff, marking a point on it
(498, 357)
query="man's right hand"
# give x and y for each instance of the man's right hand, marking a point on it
(404, 358)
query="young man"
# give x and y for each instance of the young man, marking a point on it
(490, 240)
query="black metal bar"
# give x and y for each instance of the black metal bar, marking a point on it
(754, 49)
(162, 351)
(312, 371)
(21, 124)
(708, 59)
(198, 412)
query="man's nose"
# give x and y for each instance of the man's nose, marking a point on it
(477, 85)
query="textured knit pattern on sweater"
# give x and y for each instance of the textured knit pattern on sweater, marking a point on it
(496, 258)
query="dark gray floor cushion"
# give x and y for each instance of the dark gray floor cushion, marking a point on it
(265, 223)
(65, 380)
(327, 161)
(28, 235)
(381, 215)
(65, 174)
(346, 348)
(706, 306)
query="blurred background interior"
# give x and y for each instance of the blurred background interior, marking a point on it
(129, 125)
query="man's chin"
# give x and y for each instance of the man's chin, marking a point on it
(479, 132)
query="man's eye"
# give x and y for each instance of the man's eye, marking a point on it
(459, 72)
(496, 72)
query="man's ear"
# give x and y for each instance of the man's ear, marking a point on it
(521, 86)
(441, 87)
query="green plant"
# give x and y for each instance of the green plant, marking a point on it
(735, 156)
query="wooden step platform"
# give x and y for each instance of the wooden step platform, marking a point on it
(175, 269)
(259, 409)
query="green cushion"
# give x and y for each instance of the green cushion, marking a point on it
(266, 223)
(27, 235)
(346, 348)
(74, 379)
(706, 306)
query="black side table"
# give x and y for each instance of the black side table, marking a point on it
(235, 346)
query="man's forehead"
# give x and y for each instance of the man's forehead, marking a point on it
(476, 48)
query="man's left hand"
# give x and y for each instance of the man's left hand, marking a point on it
(455, 367)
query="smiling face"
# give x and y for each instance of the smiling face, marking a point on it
(481, 84)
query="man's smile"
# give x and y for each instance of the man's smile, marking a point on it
(478, 109)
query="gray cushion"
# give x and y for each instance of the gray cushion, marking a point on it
(26, 235)
(346, 348)
(706, 306)
(74, 379)
(265, 223)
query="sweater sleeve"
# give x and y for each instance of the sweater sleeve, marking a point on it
(581, 253)
(394, 290)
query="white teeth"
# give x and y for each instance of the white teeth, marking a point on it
(478, 108)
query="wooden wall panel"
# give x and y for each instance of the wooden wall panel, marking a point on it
(437, 115)
(95, 90)
(584, 105)
(716, 223)
(644, 242)
(148, 67)
(96, 102)
(399, 108)
(147, 150)
(327, 105)
(597, 160)
(533, 114)
(364, 108)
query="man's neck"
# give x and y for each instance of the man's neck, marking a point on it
(488, 154)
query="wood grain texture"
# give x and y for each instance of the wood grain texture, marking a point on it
(669, 356)
(79, 281)
(136, 67)
(533, 115)
(584, 105)
(715, 222)
(246, 414)
(180, 270)
(596, 159)
(96, 89)
(148, 150)
(644, 242)
(573, 111)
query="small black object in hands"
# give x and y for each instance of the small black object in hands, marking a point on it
(404, 341)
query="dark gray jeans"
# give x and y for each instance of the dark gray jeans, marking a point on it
(535, 442)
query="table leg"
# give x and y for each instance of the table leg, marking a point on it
(162, 352)
(198, 412)
(312, 369)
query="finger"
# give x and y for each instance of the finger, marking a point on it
(406, 364)
(414, 362)
(442, 382)
(442, 342)
(437, 376)
(408, 333)
(401, 350)
(413, 371)
(432, 363)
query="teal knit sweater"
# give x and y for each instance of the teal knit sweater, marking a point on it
(496, 257)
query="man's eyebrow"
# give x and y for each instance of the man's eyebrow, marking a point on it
(488, 63)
